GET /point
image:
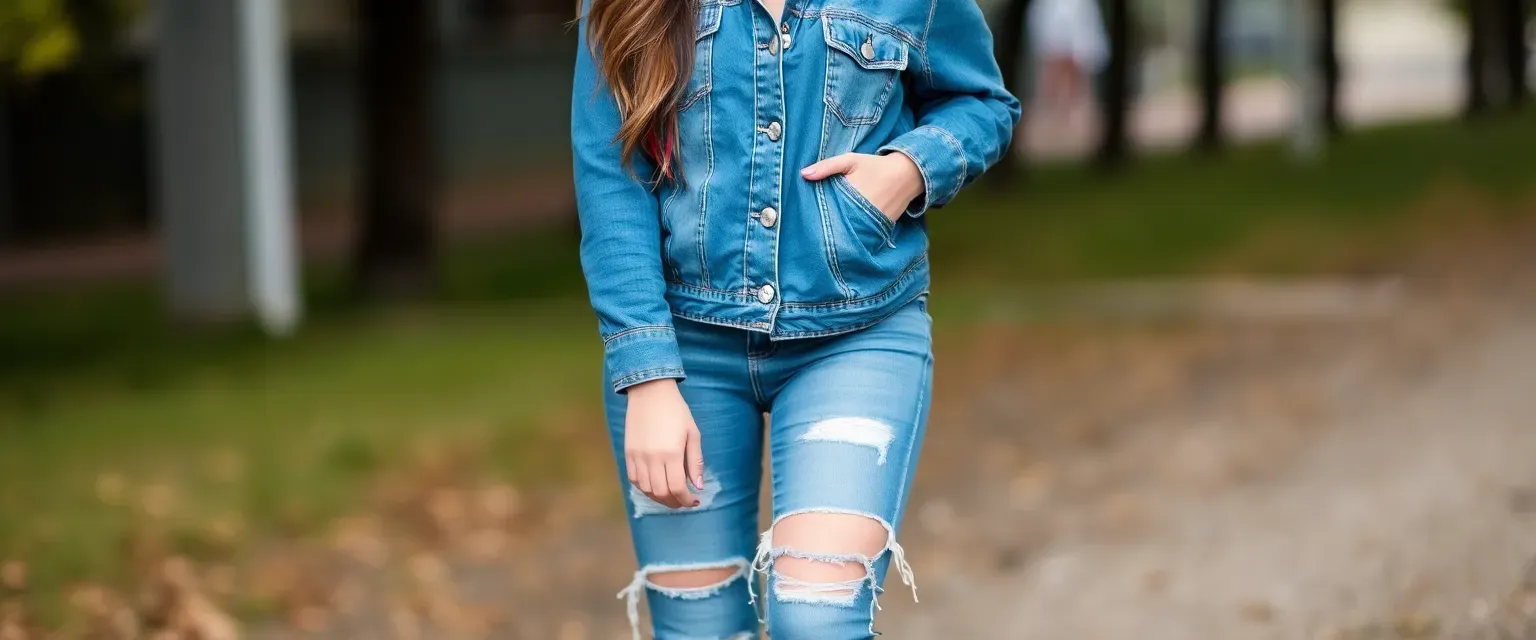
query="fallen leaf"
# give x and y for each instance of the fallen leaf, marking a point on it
(573, 630)
(13, 575)
(158, 501)
(1259, 612)
(499, 502)
(311, 619)
(206, 621)
(110, 488)
(225, 465)
(405, 623)
(1417, 625)
(226, 529)
(1155, 581)
(428, 569)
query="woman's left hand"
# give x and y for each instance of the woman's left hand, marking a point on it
(891, 181)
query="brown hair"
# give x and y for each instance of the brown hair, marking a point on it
(644, 50)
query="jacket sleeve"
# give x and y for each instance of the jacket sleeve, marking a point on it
(620, 237)
(965, 117)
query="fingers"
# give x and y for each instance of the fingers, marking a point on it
(693, 457)
(656, 469)
(666, 478)
(640, 473)
(830, 167)
(677, 484)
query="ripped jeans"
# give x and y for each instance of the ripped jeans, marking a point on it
(847, 415)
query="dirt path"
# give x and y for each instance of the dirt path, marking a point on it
(1390, 492)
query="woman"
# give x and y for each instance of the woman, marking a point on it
(752, 179)
(1070, 46)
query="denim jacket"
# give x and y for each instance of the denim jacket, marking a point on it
(742, 239)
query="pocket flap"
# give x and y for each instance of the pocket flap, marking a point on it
(708, 20)
(867, 45)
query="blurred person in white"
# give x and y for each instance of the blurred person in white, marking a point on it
(1070, 49)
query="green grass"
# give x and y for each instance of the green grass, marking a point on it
(1178, 214)
(99, 396)
(97, 391)
(306, 421)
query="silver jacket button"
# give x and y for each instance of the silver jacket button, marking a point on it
(773, 46)
(774, 130)
(868, 50)
(768, 217)
(765, 294)
(786, 40)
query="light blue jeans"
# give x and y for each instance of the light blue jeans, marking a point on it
(847, 415)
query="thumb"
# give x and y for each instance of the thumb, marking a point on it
(693, 460)
(830, 167)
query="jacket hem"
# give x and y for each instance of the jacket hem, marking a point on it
(795, 320)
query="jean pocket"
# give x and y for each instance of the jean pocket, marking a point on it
(863, 64)
(867, 210)
(707, 23)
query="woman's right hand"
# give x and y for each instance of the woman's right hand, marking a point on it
(661, 444)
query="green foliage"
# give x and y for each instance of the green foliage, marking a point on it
(43, 36)
(36, 36)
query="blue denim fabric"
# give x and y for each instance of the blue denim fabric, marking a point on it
(847, 419)
(742, 240)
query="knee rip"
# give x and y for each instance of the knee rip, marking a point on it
(855, 431)
(803, 571)
(682, 582)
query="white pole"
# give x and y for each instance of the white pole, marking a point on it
(269, 198)
(225, 197)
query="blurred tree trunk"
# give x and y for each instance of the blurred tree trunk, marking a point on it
(395, 252)
(1212, 76)
(490, 11)
(1009, 47)
(1478, 53)
(1328, 59)
(96, 23)
(7, 184)
(1516, 15)
(1113, 145)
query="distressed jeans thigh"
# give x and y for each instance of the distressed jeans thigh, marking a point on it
(846, 428)
(845, 431)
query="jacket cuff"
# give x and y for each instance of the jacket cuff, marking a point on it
(941, 160)
(638, 355)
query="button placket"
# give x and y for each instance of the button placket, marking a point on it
(760, 267)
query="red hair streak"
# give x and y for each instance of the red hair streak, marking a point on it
(663, 151)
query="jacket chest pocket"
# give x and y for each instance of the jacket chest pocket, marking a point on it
(706, 24)
(863, 66)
